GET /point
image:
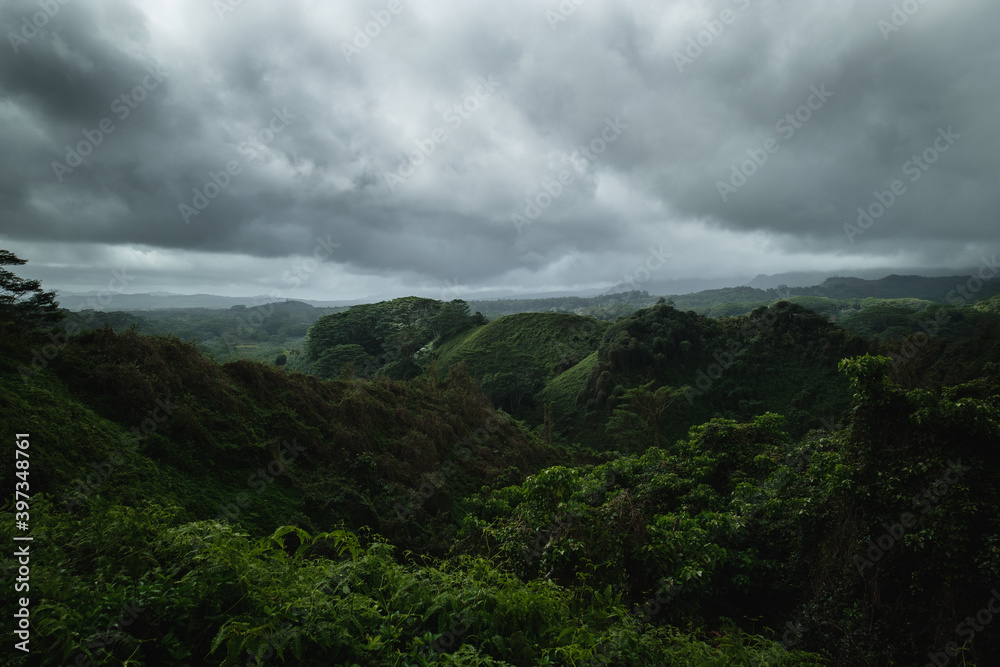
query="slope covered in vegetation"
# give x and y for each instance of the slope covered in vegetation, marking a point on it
(780, 359)
(515, 356)
(668, 499)
(126, 416)
(386, 338)
(218, 514)
(867, 545)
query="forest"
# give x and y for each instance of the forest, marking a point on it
(808, 479)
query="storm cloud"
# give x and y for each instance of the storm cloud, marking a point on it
(338, 150)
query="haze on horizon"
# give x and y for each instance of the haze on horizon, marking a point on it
(462, 148)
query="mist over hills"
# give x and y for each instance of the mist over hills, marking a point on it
(933, 285)
(809, 278)
(110, 301)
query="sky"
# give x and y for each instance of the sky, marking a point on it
(340, 150)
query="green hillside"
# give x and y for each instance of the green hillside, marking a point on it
(563, 391)
(544, 489)
(517, 355)
(388, 338)
(780, 359)
(250, 442)
(834, 297)
(991, 305)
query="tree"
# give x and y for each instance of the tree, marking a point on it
(23, 304)
(510, 389)
(332, 361)
(650, 404)
(452, 318)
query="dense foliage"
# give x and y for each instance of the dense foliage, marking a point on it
(515, 356)
(128, 417)
(384, 338)
(667, 489)
(23, 303)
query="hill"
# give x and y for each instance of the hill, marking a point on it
(160, 422)
(516, 355)
(780, 359)
(152, 301)
(666, 500)
(833, 297)
(386, 338)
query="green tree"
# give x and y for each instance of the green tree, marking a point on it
(452, 318)
(510, 390)
(649, 405)
(334, 359)
(869, 378)
(23, 303)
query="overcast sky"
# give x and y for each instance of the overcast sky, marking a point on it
(458, 146)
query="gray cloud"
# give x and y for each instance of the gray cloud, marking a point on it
(400, 152)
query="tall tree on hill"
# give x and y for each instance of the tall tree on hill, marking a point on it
(650, 404)
(451, 318)
(23, 303)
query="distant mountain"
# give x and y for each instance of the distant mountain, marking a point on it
(936, 289)
(687, 293)
(675, 286)
(688, 286)
(809, 278)
(894, 287)
(166, 300)
(285, 306)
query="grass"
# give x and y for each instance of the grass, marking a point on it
(550, 343)
(562, 390)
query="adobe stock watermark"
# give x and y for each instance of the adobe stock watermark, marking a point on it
(446, 641)
(451, 289)
(552, 188)
(565, 9)
(967, 630)
(37, 21)
(297, 276)
(130, 612)
(665, 594)
(786, 126)
(900, 16)
(793, 634)
(86, 487)
(261, 478)
(544, 538)
(224, 7)
(957, 297)
(72, 325)
(915, 168)
(706, 377)
(363, 37)
(714, 28)
(562, 523)
(253, 146)
(454, 116)
(927, 498)
(569, 355)
(300, 271)
(962, 294)
(656, 260)
(276, 641)
(463, 450)
(122, 106)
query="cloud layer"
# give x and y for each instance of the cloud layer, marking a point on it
(213, 146)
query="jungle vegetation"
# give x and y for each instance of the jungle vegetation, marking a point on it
(767, 488)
